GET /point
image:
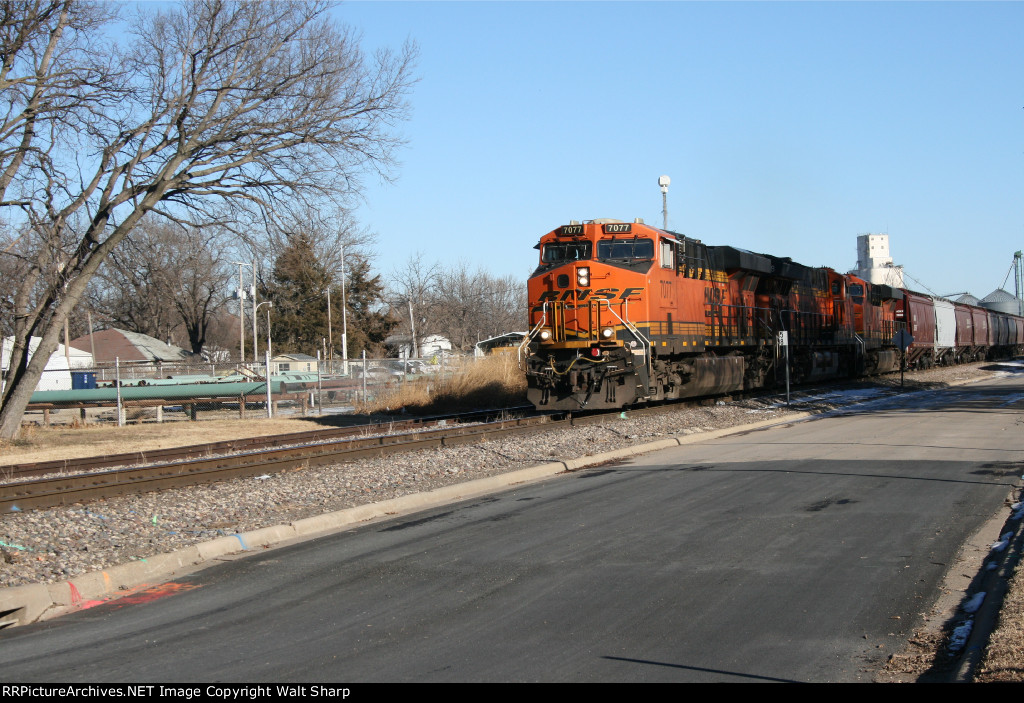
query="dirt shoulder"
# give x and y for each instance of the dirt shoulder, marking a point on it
(72, 442)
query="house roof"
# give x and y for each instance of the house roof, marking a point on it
(123, 345)
(293, 357)
(517, 336)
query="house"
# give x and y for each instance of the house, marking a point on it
(293, 363)
(429, 346)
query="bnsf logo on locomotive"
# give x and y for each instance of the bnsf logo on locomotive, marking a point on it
(584, 293)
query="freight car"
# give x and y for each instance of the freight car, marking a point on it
(623, 313)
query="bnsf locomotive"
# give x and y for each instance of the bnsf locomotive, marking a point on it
(624, 313)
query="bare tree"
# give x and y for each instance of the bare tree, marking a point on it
(51, 79)
(414, 290)
(137, 281)
(13, 268)
(459, 304)
(331, 230)
(201, 283)
(222, 102)
(503, 306)
(167, 278)
(456, 302)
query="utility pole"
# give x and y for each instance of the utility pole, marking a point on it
(255, 345)
(241, 314)
(344, 317)
(330, 334)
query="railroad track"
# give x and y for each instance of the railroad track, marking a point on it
(70, 482)
(68, 489)
(85, 480)
(211, 449)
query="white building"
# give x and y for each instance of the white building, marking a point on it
(874, 264)
(57, 375)
(433, 345)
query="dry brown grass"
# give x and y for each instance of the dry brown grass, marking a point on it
(491, 382)
(1004, 656)
(68, 441)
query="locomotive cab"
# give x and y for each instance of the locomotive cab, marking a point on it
(588, 288)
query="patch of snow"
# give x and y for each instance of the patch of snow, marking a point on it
(959, 637)
(1003, 542)
(972, 605)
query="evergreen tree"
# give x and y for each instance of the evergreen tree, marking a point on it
(298, 289)
(368, 322)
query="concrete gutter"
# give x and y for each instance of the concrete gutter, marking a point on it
(21, 605)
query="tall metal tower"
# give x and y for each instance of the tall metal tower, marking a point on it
(1018, 279)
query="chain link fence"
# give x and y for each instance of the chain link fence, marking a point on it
(299, 386)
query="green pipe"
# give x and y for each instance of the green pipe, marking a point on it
(178, 393)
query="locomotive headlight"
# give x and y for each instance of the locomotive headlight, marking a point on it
(583, 276)
(545, 335)
(607, 332)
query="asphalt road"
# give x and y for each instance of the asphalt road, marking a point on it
(802, 552)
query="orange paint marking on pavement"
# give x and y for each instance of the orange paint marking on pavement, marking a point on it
(144, 593)
(152, 593)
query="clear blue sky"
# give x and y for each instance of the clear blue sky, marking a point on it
(787, 128)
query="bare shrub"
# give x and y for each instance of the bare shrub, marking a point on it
(491, 382)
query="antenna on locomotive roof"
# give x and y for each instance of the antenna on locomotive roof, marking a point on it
(663, 182)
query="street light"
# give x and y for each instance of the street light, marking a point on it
(663, 182)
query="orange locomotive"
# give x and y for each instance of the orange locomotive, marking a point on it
(622, 313)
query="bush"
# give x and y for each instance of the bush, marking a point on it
(490, 382)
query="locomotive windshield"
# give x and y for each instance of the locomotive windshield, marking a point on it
(625, 249)
(557, 252)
